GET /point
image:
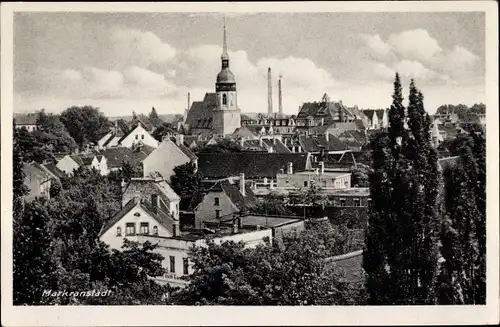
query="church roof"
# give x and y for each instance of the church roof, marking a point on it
(226, 76)
(200, 113)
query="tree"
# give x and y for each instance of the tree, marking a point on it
(230, 274)
(33, 268)
(273, 204)
(19, 189)
(154, 118)
(401, 240)
(222, 146)
(186, 180)
(359, 175)
(85, 124)
(163, 130)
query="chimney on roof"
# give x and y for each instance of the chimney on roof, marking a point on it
(179, 139)
(282, 171)
(123, 186)
(289, 169)
(176, 231)
(260, 141)
(327, 136)
(242, 184)
(155, 202)
(235, 226)
(269, 93)
(242, 142)
(316, 171)
(322, 167)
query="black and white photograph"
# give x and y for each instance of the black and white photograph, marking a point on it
(241, 156)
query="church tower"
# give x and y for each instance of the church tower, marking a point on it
(227, 115)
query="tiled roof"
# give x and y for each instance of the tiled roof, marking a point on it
(117, 156)
(277, 145)
(184, 149)
(35, 171)
(160, 216)
(200, 113)
(243, 203)
(54, 171)
(316, 142)
(252, 164)
(152, 186)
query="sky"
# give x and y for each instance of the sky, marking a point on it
(124, 62)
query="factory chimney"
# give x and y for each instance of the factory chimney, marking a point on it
(280, 98)
(269, 94)
(187, 109)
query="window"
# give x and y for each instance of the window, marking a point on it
(217, 213)
(172, 264)
(118, 231)
(142, 136)
(155, 230)
(137, 137)
(305, 183)
(144, 228)
(130, 229)
(224, 99)
(185, 266)
(356, 202)
(342, 202)
(216, 201)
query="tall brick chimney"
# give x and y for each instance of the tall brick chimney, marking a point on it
(280, 98)
(269, 94)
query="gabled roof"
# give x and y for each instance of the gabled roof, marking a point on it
(200, 114)
(160, 216)
(152, 185)
(190, 154)
(117, 156)
(35, 171)
(277, 145)
(252, 164)
(53, 170)
(316, 142)
(132, 129)
(322, 109)
(232, 191)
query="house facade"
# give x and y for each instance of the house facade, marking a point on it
(167, 156)
(38, 182)
(136, 135)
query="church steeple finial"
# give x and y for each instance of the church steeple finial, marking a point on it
(224, 56)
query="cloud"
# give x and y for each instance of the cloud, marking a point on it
(414, 69)
(414, 44)
(373, 47)
(135, 47)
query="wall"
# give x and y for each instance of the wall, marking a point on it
(139, 134)
(164, 159)
(326, 180)
(116, 242)
(206, 208)
(67, 165)
(37, 186)
(280, 231)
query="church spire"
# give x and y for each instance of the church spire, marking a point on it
(224, 56)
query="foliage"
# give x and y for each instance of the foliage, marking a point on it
(85, 124)
(154, 118)
(163, 130)
(126, 172)
(401, 240)
(359, 175)
(18, 188)
(185, 180)
(461, 110)
(33, 266)
(31, 148)
(274, 204)
(230, 274)
(222, 146)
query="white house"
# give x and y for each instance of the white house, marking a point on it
(139, 134)
(69, 163)
(167, 156)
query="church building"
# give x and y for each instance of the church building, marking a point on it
(218, 113)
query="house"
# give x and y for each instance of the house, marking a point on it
(37, 180)
(112, 138)
(325, 112)
(274, 125)
(137, 217)
(136, 135)
(377, 118)
(317, 143)
(221, 201)
(167, 156)
(27, 121)
(325, 179)
(71, 162)
(117, 156)
(153, 188)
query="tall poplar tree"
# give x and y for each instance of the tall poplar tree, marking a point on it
(401, 240)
